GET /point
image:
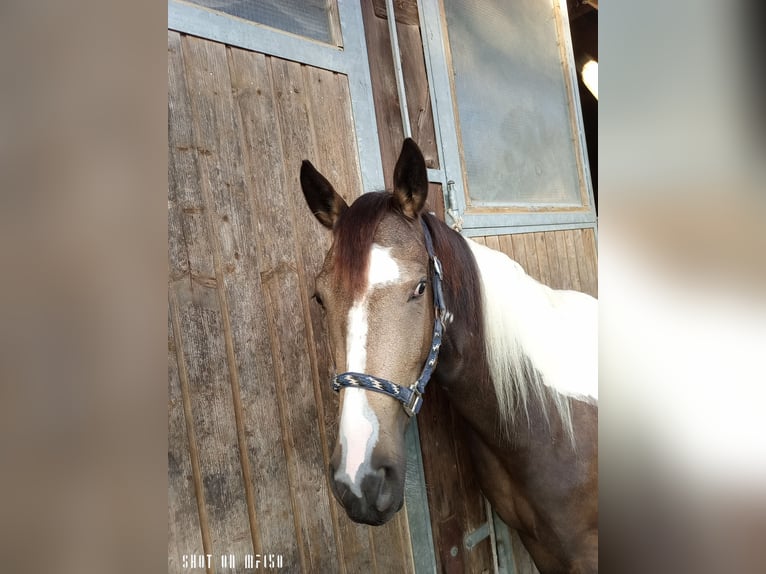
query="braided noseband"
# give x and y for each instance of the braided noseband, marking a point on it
(411, 397)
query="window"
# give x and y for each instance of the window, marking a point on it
(316, 19)
(512, 103)
(508, 113)
(241, 23)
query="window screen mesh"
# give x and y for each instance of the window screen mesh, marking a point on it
(310, 18)
(512, 102)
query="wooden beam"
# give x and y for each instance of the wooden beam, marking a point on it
(406, 11)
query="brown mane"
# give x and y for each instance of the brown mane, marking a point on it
(462, 283)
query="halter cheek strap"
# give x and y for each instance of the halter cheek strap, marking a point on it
(411, 397)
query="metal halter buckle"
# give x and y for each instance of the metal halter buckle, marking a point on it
(438, 267)
(412, 406)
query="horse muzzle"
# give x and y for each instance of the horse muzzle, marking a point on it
(373, 498)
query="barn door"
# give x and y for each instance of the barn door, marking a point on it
(254, 88)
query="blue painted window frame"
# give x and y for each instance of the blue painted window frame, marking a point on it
(350, 60)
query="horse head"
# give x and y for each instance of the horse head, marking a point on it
(376, 290)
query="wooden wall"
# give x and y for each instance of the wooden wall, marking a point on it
(250, 403)
(560, 259)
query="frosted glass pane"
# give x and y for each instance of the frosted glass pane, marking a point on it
(308, 18)
(512, 102)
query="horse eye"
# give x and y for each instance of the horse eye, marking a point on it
(420, 289)
(318, 299)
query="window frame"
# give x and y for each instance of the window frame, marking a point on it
(482, 220)
(349, 60)
(333, 23)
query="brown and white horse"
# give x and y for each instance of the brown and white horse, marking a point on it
(518, 360)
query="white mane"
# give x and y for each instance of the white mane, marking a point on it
(556, 331)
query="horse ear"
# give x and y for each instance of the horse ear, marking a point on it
(322, 199)
(411, 179)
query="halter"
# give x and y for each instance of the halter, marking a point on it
(411, 397)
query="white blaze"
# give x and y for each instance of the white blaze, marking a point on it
(356, 337)
(383, 267)
(359, 427)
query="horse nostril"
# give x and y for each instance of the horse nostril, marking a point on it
(385, 495)
(384, 500)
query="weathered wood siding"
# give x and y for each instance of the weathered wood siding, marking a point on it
(249, 400)
(560, 259)
(389, 117)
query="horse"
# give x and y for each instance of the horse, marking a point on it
(407, 299)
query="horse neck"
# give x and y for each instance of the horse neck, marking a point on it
(486, 368)
(463, 370)
(463, 373)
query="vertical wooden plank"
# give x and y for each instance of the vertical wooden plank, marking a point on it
(328, 102)
(553, 256)
(279, 275)
(533, 267)
(571, 251)
(202, 323)
(390, 130)
(480, 240)
(455, 500)
(336, 35)
(405, 539)
(389, 119)
(287, 332)
(416, 82)
(565, 274)
(541, 250)
(522, 561)
(221, 177)
(443, 497)
(479, 559)
(520, 250)
(182, 160)
(182, 170)
(435, 201)
(296, 134)
(392, 552)
(583, 267)
(589, 242)
(313, 123)
(493, 242)
(184, 532)
(506, 246)
(252, 122)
